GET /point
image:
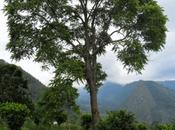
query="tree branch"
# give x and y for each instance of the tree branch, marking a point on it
(115, 41)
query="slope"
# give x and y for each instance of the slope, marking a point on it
(151, 102)
(34, 85)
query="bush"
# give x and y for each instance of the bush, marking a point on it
(60, 118)
(164, 127)
(86, 121)
(14, 114)
(118, 120)
(141, 126)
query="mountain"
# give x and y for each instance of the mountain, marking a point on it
(150, 101)
(169, 84)
(34, 85)
(110, 96)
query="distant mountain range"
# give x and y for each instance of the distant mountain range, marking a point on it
(150, 101)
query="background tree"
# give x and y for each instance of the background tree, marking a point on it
(53, 31)
(13, 86)
(14, 114)
(57, 101)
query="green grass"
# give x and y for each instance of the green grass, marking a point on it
(29, 125)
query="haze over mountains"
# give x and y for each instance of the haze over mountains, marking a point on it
(150, 101)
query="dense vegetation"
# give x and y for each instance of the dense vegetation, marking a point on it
(70, 35)
(36, 88)
(14, 114)
(56, 109)
(116, 120)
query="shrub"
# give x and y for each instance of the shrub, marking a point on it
(86, 120)
(60, 118)
(141, 126)
(14, 114)
(118, 120)
(164, 127)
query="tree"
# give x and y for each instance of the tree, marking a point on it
(57, 101)
(118, 120)
(13, 86)
(73, 34)
(14, 114)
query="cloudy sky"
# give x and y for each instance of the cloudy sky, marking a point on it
(161, 65)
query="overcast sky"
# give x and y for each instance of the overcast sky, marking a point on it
(161, 65)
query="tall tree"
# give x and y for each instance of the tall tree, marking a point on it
(52, 31)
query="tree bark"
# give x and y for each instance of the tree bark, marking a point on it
(94, 107)
(91, 81)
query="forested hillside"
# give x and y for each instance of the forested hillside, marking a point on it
(35, 86)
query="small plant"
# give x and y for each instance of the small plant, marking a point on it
(14, 115)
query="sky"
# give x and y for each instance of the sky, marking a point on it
(161, 65)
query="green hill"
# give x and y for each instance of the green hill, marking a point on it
(151, 102)
(34, 85)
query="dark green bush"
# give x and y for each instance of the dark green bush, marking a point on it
(14, 114)
(164, 127)
(141, 126)
(86, 120)
(60, 118)
(118, 120)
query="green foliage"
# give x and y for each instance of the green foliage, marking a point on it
(60, 118)
(140, 126)
(118, 120)
(141, 23)
(57, 101)
(67, 126)
(14, 114)
(35, 87)
(13, 86)
(52, 31)
(163, 127)
(86, 121)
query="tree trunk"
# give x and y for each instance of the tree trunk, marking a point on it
(94, 107)
(91, 81)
